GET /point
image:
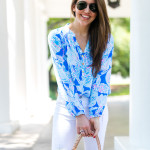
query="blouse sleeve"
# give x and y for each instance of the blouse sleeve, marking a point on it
(63, 75)
(101, 83)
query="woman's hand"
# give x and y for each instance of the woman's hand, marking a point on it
(83, 123)
(95, 125)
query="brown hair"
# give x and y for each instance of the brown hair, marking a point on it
(99, 32)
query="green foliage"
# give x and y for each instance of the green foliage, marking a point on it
(117, 90)
(53, 90)
(121, 32)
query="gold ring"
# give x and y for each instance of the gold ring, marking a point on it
(82, 131)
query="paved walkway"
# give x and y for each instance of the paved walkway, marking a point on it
(38, 136)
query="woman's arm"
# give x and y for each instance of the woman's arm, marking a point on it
(101, 83)
(63, 76)
(101, 88)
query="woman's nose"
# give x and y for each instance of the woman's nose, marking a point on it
(87, 9)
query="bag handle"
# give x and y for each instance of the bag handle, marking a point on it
(79, 138)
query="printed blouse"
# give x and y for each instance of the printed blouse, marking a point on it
(74, 75)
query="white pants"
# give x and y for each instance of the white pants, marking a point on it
(64, 131)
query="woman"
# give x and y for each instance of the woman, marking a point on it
(81, 53)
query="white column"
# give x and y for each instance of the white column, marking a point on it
(7, 123)
(36, 60)
(43, 100)
(42, 49)
(140, 74)
(139, 135)
(15, 18)
(31, 56)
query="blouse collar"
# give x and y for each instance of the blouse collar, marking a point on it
(86, 50)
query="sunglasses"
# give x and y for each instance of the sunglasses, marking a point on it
(83, 4)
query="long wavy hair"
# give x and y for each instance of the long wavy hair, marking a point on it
(99, 32)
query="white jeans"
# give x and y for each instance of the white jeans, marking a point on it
(64, 131)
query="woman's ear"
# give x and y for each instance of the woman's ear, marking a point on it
(73, 7)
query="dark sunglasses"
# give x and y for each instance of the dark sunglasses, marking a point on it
(83, 4)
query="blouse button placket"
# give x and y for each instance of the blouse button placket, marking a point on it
(83, 65)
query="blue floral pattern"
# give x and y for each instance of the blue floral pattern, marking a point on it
(73, 74)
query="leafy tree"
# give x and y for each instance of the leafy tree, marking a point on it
(121, 32)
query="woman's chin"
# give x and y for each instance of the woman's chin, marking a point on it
(84, 23)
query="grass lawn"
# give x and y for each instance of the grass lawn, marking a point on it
(120, 89)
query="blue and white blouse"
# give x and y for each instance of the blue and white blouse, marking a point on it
(73, 74)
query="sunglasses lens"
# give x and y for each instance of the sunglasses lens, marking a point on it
(81, 5)
(93, 7)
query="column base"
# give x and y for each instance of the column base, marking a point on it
(9, 127)
(123, 143)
